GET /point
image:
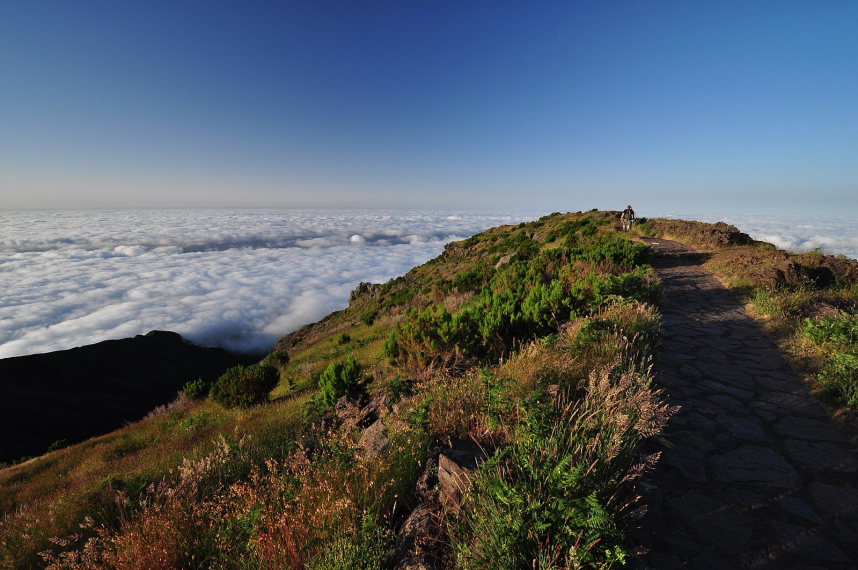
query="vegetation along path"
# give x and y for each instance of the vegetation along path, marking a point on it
(753, 472)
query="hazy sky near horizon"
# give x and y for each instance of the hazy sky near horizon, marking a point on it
(550, 105)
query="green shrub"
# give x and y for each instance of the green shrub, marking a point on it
(244, 386)
(369, 317)
(391, 348)
(398, 388)
(278, 358)
(197, 389)
(839, 331)
(471, 279)
(340, 379)
(838, 380)
(344, 338)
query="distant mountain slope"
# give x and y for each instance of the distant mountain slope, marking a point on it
(78, 393)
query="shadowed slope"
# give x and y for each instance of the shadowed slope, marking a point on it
(78, 393)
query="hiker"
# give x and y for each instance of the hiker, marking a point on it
(627, 217)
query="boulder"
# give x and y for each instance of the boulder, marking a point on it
(428, 480)
(373, 441)
(456, 468)
(420, 542)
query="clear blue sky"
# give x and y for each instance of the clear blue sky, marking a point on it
(547, 105)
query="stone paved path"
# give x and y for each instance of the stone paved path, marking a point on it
(754, 474)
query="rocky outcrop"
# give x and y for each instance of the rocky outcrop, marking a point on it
(441, 487)
(768, 267)
(701, 234)
(456, 467)
(420, 541)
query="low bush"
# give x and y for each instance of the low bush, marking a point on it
(277, 358)
(245, 386)
(197, 389)
(340, 379)
(369, 317)
(839, 332)
(838, 380)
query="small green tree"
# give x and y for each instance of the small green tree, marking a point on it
(339, 379)
(244, 386)
(197, 389)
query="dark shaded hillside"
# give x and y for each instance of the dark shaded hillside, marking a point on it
(78, 393)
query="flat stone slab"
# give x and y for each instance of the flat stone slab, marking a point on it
(837, 500)
(755, 465)
(742, 427)
(807, 428)
(819, 456)
(720, 387)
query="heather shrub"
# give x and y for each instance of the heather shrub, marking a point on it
(245, 386)
(277, 358)
(369, 317)
(340, 379)
(196, 389)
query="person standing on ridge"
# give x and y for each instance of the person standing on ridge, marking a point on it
(627, 217)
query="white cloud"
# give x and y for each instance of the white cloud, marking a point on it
(797, 233)
(239, 279)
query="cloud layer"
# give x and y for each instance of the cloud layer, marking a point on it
(797, 233)
(239, 279)
(242, 279)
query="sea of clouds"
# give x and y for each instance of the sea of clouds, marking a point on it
(792, 232)
(242, 279)
(237, 279)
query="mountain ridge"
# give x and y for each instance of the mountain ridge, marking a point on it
(507, 337)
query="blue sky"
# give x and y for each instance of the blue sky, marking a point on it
(550, 105)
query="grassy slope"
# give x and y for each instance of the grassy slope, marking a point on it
(486, 392)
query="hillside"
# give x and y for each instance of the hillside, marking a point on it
(69, 395)
(492, 408)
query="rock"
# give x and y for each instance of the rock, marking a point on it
(503, 261)
(807, 428)
(717, 235)
(742, 427)
(718, 387)
(428, 480)
(373, 440)
(420, 541)
(755, 465)
(379, 405)
(370, 290)
(818, 456)
(348, 408)
(799, 508)
(456, 468)
(363, 413)
(709, 516)
(836, 500)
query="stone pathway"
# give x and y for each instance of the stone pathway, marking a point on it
(753, 472)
